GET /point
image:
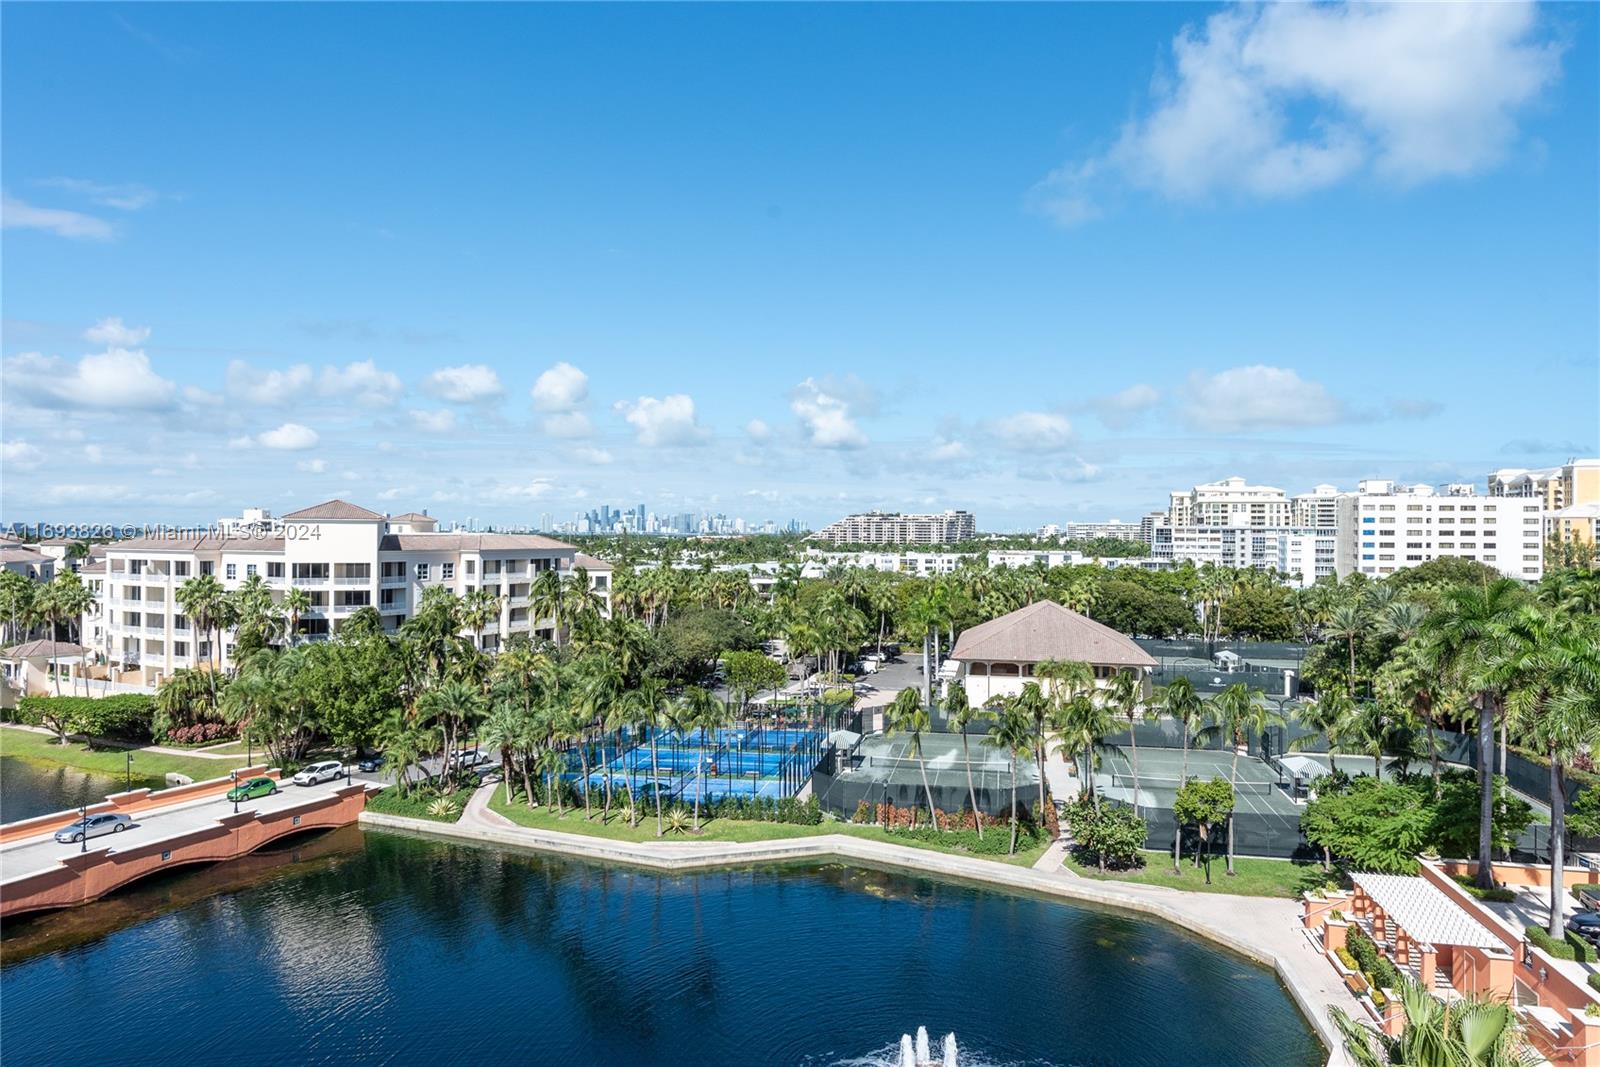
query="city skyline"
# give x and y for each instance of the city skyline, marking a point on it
(1051, 284)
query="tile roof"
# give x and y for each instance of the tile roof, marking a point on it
(1046, 630)
(19, 554)
(590, 563)
(334, 510)
(1423, 911)
(205, 542)
(412, 516)
(43, 647)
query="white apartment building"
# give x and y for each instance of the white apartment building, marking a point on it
(1385, 527)
(1151, 523)
(1029, 557)
(921, 564)
(344, 556)
(1300, 555)
(1230, 502)
(1088, 531)
(1318, 509)
(893, 528)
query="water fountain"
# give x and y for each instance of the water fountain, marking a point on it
(917, 1052)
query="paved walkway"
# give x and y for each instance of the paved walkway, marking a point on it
(1264, 929)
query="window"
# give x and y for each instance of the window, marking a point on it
(274, 570)
(180, 648)
(136, 566)
(447, 571)
(472, 566)
(207, 567)
(310, 572)
(422, 572)
(249, 570)
(233, 571)
(181, 568)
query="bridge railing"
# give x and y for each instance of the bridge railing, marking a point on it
(136, 800)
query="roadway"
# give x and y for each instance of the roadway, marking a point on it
(33, 854)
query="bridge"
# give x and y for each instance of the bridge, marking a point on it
(199, 825)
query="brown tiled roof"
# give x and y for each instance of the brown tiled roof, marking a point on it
(590, 563)
(204, 543)
(468, 542)
(97, 567)
(43, 647)
(412, 516)
(1046, 630)
(334, 510)
(19, 554)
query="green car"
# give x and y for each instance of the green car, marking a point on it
(255, 787)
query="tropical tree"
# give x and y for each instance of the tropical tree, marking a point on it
(907, 715)
(17, 594)
(1063, 682)
(1235, 715)
(1124, 695)
(479, 608)
(700, 710)
(503, 727)
(1179, 700)
(1459, 640)
(1347, 623)
(296, 602)
(960, 714)
(204, 601)
(1465, 1032)
(1201, 805)
(652, 710)
(1011, 731)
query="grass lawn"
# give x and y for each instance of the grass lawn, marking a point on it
(542, 818)
(42, 748)
(416, 805)
(1254, 877)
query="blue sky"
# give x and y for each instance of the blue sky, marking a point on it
(1043, 262)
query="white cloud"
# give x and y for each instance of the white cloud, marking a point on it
(271, 388)
(561, 388)
(669, 421)
(529, 490)
(312, 466)
(362, 382)
(113, 334)
(290, 437)
(397, 492)
(758, 430)
(589, 454)
(118, 378)
(1037, 431)
(826, 414)
(441, 421)
(126, 197)
(1124, 408)
(1258, 398)
(20, 455)
(21, 215)
(471, 383)
(1281, 99)
(948, 450)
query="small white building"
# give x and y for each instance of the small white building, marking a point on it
(999, 657)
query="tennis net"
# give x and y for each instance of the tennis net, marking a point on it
(1172, 783)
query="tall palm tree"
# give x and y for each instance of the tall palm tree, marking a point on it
(1179, 700)
(1011, 732)
(907, 715)
(1459, 641)
(204, 601)
(1347, 623)
(479, 608)
(503, 727)
(1060, 680)
(701, 710)
(653, 711)
(1235, 715)
(296, 602)
(1124, 695)
(1329, 715)
(545, 600)
(959, 714)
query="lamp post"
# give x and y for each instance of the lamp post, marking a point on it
(83, 828)
(128, 774)
(233, 778)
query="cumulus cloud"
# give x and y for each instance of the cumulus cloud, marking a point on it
(1242, 399)
(950, 450)
(442, 420)
(827, 410)
(666, 422)
(118, 378)
(1280, 99)
(20, 215)
(470, 383)
(1033, 431)
(561, 388)
(360, 383)
(114, 334)
(20, 455)
(1126, 407)
(290, 437)
(269, 388)
(758, 430)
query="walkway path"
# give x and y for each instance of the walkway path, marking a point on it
(1264, 929)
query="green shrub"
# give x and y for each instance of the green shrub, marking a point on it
(1541, 939)
(1347, 959)
(1594, 982)
(996, 841)
(124, 715)
(1582, 951)
(1496, 895)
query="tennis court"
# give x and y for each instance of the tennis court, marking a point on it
(1266, 817)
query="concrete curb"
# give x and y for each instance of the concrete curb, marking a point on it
(690, 856)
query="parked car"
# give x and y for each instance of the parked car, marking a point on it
(370, 764)
(93, 826)
(1586, 924)
(326, 771)
(469, 758)
(255, 787)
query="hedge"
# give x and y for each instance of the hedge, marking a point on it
(1594, 982)
(1496, 895)
(125, 715)
(1560, 950)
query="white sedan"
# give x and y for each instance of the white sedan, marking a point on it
(325, 771)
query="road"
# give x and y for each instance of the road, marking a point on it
(34, 854)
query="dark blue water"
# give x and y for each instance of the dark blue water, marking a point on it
(399, 950)
(30, 789)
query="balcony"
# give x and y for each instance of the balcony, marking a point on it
(395, 579)
(345, 579)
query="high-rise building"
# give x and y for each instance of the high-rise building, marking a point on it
(1230, 502)
(1385, 527)
(1575, 482)
(1318, 509)
(1115, 528)
(893, 528)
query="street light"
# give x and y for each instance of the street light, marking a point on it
(83, 828)
(128, 780)
(233, 779)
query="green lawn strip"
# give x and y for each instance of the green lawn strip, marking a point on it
(542, 818)
(415, 805)
(42, 748)
(1253, 877)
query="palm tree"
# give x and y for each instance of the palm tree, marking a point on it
(1465, 1032)
(1124, 696)
(701, 710)
(503, 727)
(1235, 715)
(653, 710)
(203, 599)
(1010, 731)
(1063, 679)
(296, 602)
(1459, 639)
(1179, 700)
(402, 742)
(17, 594)
(1347, 623)
(545, 600)
(907, 715)
(479, 608)
(959, 714)
(453, 709)
(1329, 715)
